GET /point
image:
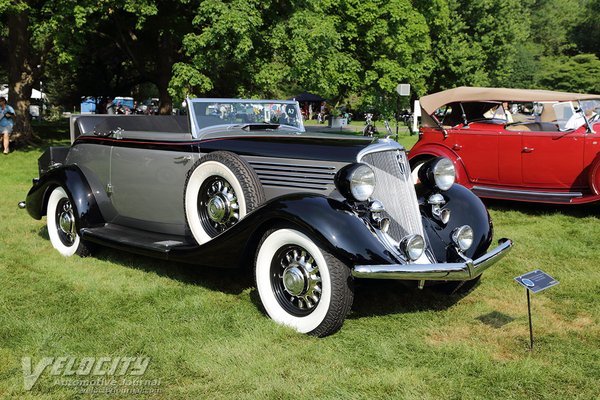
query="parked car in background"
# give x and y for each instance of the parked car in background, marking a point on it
(149, 106)
(239, 183)
(527, 145)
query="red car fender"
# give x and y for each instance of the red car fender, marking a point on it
(437, 150)
(594, 176)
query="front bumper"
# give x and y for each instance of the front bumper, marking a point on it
(467, 270)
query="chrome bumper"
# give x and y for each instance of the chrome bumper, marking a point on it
(436, 272)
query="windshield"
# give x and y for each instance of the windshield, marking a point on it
(247, 114)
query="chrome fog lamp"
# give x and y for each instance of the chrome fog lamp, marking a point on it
(463, 237)
(378, 219)
(444, 173)
(413, 246)
(356, 182)
(441, 214)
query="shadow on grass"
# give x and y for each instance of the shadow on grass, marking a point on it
(230, 281)
(371, 297)
(536, 209)
(383, 297)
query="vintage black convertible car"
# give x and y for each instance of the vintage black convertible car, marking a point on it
(240, 183)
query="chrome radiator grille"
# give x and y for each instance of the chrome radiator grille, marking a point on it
(395, 189)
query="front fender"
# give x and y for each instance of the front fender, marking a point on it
(330, 223)
(78, 189)
(438, 150)
(465, 209)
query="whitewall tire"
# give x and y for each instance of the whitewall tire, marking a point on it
(220, 190)
(300, 285)
(61, 225)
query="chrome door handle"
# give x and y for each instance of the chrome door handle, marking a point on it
(527, 149)
(182, 159)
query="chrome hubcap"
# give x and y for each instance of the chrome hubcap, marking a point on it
(294, 281)
(218, 205)
(218, 208)
(300, 279)
(66, 222)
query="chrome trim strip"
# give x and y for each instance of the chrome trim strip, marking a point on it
(380, 145)
(525, 194)
(292, 185)
(275, 164)
(436, 272)
(299, 179)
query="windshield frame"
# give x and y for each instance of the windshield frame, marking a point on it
(198, 132)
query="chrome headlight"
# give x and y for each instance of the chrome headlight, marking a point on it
(356, 182)
(413, 246)
(444, 173)
(439, 173)
(463, 237)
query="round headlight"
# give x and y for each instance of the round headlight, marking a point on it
(463, 237)
(413, 246)
(362, 183)
(444, 173)
(356, 182)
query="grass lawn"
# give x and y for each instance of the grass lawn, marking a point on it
(207, 336)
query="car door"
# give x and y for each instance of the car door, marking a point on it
(477, 145)
(553, 159)
(147, 183)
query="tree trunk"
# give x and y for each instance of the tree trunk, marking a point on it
(20, 74)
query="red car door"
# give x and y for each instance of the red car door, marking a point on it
(553, 160)
(477, 145)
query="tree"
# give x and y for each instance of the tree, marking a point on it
(571, 74)
(586, 31)
(25, 52)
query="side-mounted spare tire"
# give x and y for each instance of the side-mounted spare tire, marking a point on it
(221, 188)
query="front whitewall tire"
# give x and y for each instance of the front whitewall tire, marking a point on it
(336, 296)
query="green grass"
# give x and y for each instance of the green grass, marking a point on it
(208, 337)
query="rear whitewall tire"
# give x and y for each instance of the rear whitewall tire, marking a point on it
(65, 246)
(336, 285)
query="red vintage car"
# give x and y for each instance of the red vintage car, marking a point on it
(527, 145)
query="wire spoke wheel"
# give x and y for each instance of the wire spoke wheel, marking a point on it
(65, 222)
(62, 225)
(217, 205)
(300, 284)
(296, 280)
(220, 189)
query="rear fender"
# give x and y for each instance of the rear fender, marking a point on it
(594, 175)
(78, 189)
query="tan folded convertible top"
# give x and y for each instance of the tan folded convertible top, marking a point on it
(432, 102)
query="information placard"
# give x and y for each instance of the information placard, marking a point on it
(536, 281)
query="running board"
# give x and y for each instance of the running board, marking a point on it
(136, 240)
(525, 195)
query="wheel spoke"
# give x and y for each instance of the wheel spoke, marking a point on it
(296, 278)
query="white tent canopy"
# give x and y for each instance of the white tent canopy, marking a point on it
(35, 94)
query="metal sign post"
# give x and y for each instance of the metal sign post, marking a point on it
(534, 281)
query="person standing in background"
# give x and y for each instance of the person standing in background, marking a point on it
(7, 116)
